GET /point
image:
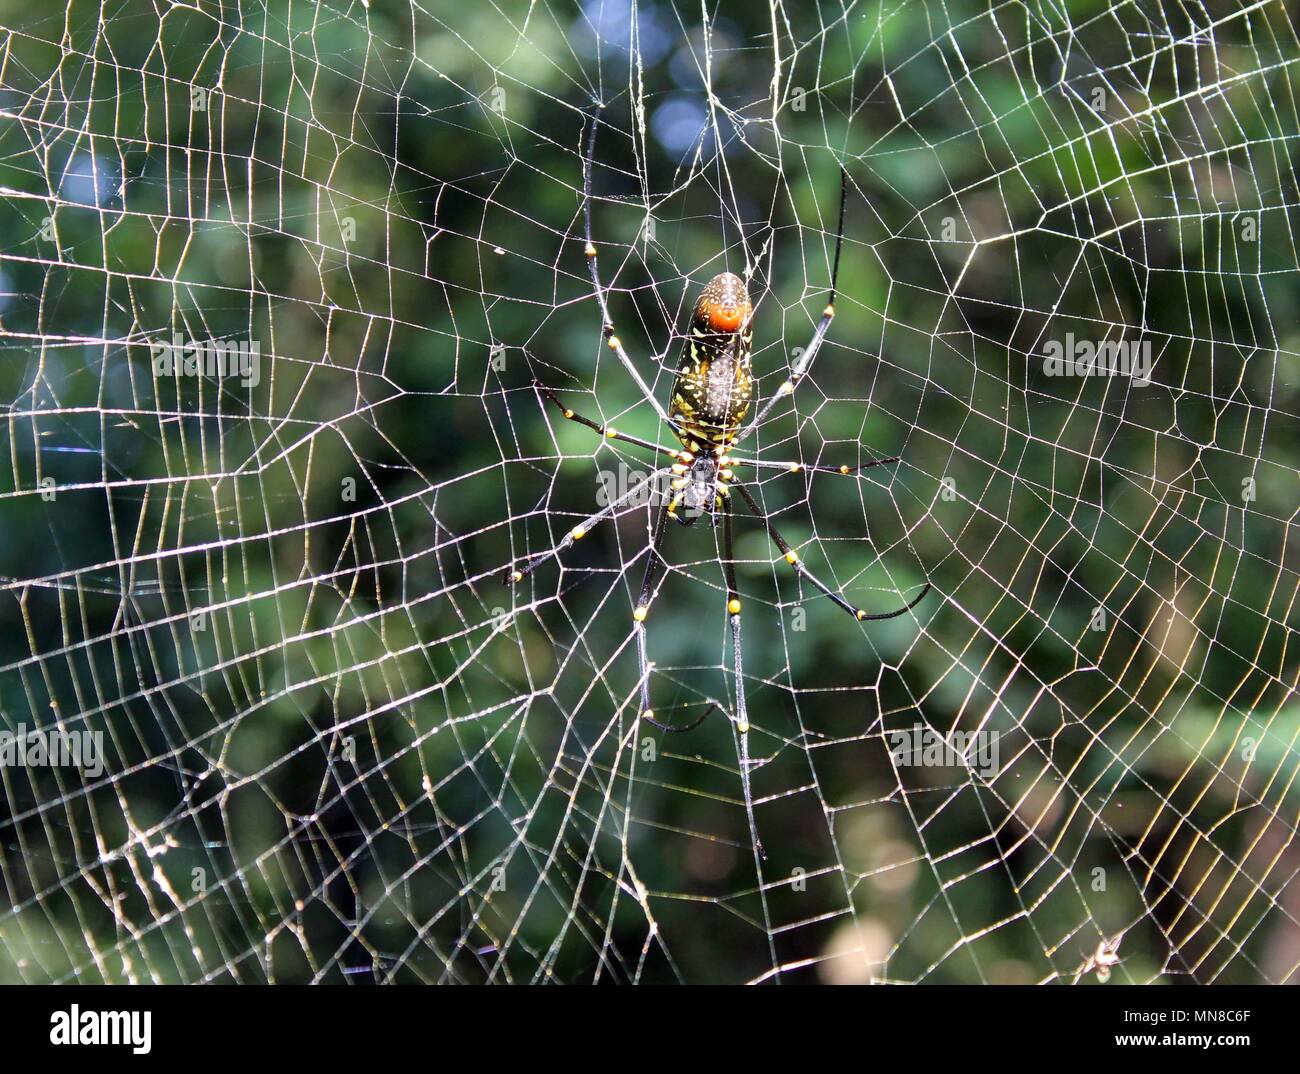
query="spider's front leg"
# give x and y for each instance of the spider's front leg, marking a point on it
(639, 615)
(792, 558)
(516, 574)
(638, 626)
(737, 663)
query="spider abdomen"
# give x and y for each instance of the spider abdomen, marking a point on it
(715, 386)
(711, 397)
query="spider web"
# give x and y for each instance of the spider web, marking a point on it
(337, 748)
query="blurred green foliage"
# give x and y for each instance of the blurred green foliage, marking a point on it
(283, 607)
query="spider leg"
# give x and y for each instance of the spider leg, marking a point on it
(737, 663)
(733, 611)
(611, 339)
(638, 627)
(516, 574)
(799, 467)
(792, 558)
(607, 431)
(805, 360)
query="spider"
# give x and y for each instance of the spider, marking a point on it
(711, 398)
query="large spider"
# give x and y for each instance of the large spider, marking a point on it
(710, 400)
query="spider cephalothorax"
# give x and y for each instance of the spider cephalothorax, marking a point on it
(698, 487)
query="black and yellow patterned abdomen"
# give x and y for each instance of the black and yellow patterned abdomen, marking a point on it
(715, 387)
(712, 395)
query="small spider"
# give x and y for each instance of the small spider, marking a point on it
(1103, 960)
(711, 398)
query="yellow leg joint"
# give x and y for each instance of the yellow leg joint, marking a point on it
(844, 469)
(517, 576)
(743, 726)
(829, 311)
(578, 532)
(792, 557)
(640, 612)
(590, 250)
(860, 614)
(614, 343)
(649, 714)
(568, 413)
(733, 606)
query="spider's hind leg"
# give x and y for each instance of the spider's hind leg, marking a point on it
(803, 363)
(607, 431)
